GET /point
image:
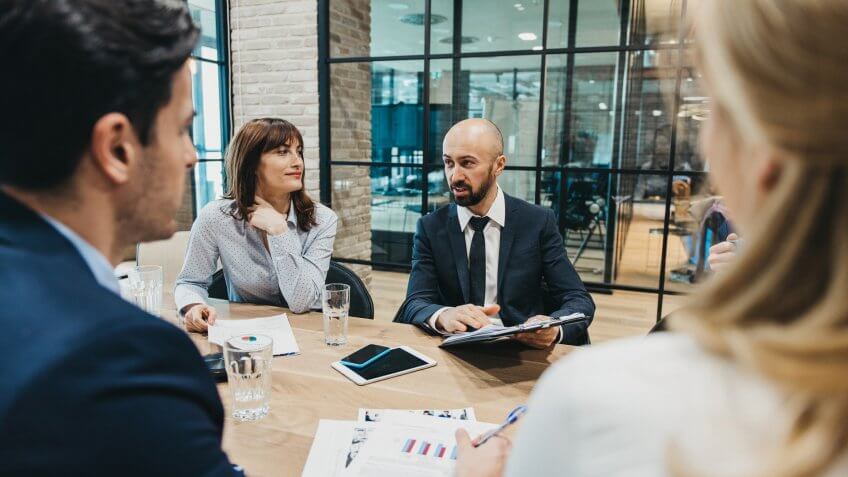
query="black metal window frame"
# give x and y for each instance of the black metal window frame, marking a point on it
(222, 9)
(623, 49)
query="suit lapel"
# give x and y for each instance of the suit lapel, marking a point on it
(507, 237)
(460, 256)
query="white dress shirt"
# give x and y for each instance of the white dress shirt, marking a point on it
(492, 237)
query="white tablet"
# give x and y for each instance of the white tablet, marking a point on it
(397, 362)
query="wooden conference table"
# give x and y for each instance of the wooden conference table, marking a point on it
(492, 380)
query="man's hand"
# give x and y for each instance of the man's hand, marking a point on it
(199, 316)
(723, 254)
(461, 318)
(264, 216)
(541, 338)
(488, 460)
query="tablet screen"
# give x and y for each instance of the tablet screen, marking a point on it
(394, 361)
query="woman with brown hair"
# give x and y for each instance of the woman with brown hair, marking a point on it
(753, 379)
(273, 241)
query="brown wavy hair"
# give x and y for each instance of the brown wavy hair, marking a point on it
(243, 155)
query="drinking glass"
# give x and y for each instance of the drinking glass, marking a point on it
(335, 304)
(248, 362)
(145, 288)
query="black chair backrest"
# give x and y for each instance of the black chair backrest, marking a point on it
(218, 287)
(361, 305)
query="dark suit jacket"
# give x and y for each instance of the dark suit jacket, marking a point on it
(91, 385)
(531, 254)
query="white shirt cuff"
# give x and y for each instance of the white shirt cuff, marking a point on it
(432, 321)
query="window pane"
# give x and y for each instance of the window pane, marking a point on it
(520, 184)
(204, 15)
(206, 128)
(582, 213)
(638, 205)
(499, 26)
(208, 182)
(589, 139)
(504, 90)
(598, 23)
(558, 11)
(694, 109)
(378, 208)
(377, 28)
(655, 23)
(441, 26)
(377, 111)
(441, 106)
(688, 240)
(651, 77)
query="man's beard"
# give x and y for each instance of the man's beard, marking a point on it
(475, 197)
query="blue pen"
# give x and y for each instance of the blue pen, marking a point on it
(510, 419)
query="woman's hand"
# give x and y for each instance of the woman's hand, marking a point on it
(199, 316)
(488, 460)
(723, 254)
(265, 217)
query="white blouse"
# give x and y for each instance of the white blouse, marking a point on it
(293, 267)
(628, 407)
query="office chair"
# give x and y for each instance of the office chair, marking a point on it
(361, 304)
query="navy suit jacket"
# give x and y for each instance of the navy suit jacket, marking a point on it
(531, 254)
(91, 385)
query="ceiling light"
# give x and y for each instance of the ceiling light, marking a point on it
(591, 81)
(527, 36)
(398, 6)
(537, 48)
(603, 106)
(418, 19)
(656, 113)
(689, 79)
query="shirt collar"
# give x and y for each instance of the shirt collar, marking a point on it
(97, 263)
(496, 213)
(291, 218)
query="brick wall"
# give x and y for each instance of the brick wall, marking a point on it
(274, 67)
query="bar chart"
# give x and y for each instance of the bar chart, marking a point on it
(427, 449)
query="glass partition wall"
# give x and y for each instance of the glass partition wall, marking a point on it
(596, 99)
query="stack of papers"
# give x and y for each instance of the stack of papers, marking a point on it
(276, 327)
(495, 332)
(400, 442)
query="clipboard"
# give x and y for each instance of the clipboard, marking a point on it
(493, 333)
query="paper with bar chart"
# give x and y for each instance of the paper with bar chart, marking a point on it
(412, 446)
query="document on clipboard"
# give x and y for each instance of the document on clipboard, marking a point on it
(492, 333)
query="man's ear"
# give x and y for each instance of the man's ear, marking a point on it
(500, 163)
(114, 147)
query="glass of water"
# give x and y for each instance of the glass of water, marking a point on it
(248, 362)
(336, 304)
(145, 288)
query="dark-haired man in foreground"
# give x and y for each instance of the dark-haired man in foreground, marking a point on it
(95, 142)
(487, 255)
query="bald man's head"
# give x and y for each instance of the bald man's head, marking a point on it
(473, 156)
(482, 133)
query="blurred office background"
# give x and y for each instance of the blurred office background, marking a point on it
(597, 100)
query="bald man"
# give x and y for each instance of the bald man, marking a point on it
(489, 257)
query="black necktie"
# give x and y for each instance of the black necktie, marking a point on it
(477, 261)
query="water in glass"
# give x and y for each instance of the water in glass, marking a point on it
(335, 304)
(248, 362)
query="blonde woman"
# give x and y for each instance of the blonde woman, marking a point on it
(754, 379)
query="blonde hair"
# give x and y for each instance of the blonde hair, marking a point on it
(778, 73)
